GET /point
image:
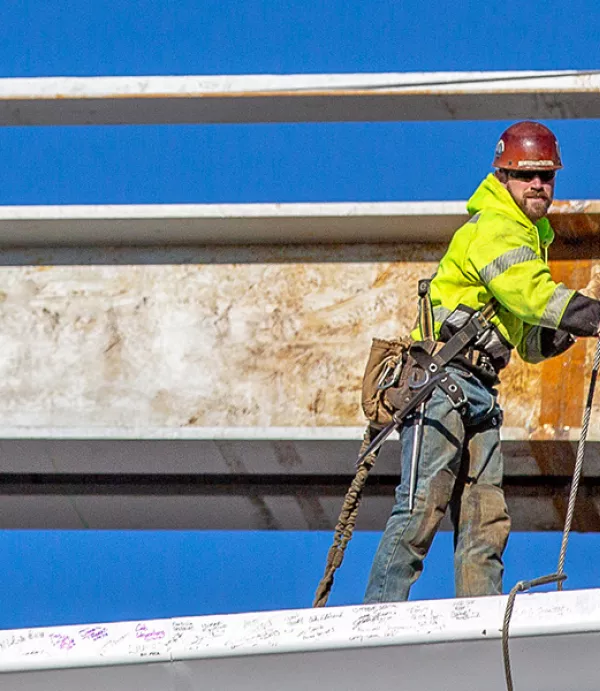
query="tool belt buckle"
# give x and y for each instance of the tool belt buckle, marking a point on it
(455, 392)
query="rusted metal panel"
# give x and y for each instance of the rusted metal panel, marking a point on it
(191, 345)
(232, 344)
(562, 390)
(576, 219)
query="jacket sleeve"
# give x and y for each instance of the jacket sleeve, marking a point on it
(504, 256)
(581, 316)
(540, 343)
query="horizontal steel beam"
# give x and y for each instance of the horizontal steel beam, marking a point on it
(253, 502)
(231, 224)
(435, 644)
(299, 98)
(260, 485)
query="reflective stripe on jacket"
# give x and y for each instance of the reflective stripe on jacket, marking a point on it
(500, 253)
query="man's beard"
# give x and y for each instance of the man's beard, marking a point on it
(535, 206)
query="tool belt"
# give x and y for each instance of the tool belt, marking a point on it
(478, 358)
(396, 369)
(479, 363)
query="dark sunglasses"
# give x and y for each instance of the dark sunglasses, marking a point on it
(528, 175)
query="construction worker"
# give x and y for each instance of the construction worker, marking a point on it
(501, 253)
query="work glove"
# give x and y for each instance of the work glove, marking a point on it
(592, 289)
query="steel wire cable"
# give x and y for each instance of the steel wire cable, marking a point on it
(559, 577)
(578, 463)
(520, 587)
(434, 83)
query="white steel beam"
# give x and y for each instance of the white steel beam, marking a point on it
(299, 98)
(223, 224)
(436, 644)
(184, 224)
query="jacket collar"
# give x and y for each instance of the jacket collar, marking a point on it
(491, 194)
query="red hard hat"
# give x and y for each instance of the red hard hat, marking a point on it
(527, 145)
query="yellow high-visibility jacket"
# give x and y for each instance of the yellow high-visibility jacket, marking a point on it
(500, 253)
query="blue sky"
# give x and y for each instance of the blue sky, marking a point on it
(71, 577)
(61, 577)
(254, 36)
(297, 162)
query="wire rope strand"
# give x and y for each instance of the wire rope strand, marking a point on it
(427, 84)
(520, 587)
(578, 464)
(559, 576)
(510, 603)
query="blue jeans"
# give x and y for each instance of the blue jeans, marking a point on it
(460, 465)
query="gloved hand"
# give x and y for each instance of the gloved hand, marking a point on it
(592, 289)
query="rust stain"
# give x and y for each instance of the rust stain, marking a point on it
(562, 377)
(576, 219)
(113, 350)
(384, 276)
(586, 519)
(576, 248)
(274, 93)
(317, 405)
(554, 460)
(338, 304)
(53, 316)
(162, 402)
(544, 455)
(576, 226)
(263, 514)
(570, 206)
(313, 512)
(520, 394)
(286, 454)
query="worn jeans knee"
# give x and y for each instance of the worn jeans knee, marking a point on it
(407, 539)
(482, 533)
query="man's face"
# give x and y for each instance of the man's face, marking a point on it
(532, 190)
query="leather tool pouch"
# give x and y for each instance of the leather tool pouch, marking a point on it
(386, 377)
(385, 382)
(383, 371)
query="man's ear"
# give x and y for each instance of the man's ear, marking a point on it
(501, 176)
